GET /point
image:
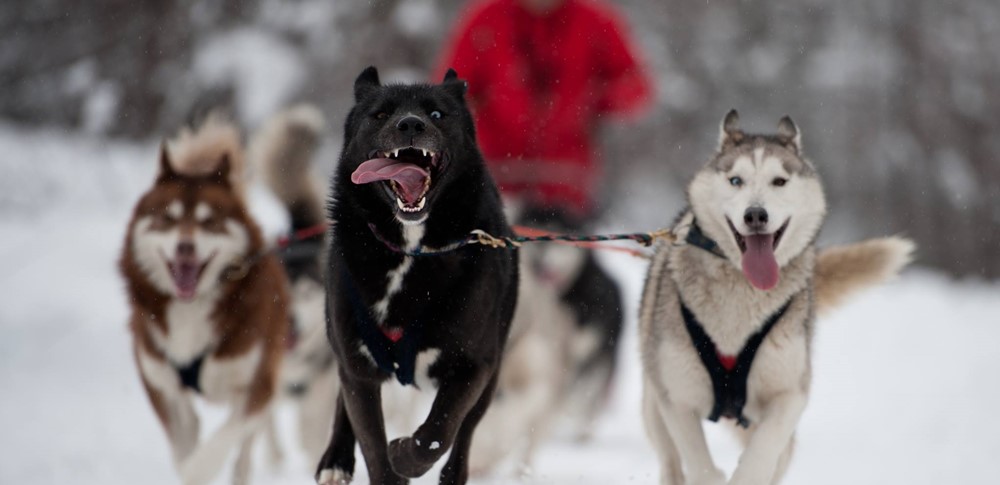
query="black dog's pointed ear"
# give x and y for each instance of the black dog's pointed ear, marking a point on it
(455, 86)
(789, 134)
(366, 82)
(730, 133)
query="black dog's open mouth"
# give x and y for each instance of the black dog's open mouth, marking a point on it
(741, 240)
(408, 173)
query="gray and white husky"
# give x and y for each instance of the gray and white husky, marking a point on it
(727, 315)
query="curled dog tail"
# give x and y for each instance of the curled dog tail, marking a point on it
(842, 271)
(281, 152)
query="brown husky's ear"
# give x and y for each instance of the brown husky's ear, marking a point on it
(366, 82)
(789, 134)
(455, 86)
(221, 173)
(167, 171)
(729, 132)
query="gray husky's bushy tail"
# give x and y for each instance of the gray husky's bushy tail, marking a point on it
(842, 271)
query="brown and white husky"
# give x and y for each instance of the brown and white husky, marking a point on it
(209, 304)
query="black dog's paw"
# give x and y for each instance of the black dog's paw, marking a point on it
(412, 458)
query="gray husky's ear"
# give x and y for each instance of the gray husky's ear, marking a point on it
(729, 132)
(789, 134)
(455, 86)
(366, 82)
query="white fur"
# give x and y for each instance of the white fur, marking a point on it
(152, 249)
(363, 350)
(333, 476)
(202, 212)
(220, 378)
(412, 234)
(175, 209)
(677, 388)
(183, 422)
(227, 248)
(190, 330)
(800, 202)
(425, 359)
(208, 458)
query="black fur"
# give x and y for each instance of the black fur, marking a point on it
(459, 302)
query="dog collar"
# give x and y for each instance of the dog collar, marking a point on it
(695, 237)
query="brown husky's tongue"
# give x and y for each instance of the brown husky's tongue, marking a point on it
(410, 177)
(759, 265)
(185, 278)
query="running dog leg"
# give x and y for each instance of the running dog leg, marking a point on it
(456, 469)
(413, 456)
(249, 416)
(337, 464)
(363, 400)
(171, 404)
(670, 462)
(206, 461)
(316, 411)
(241, 470)
(760, 460)
(684, 426)
(744, 435)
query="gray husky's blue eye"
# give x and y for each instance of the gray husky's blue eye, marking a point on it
(736, 181)
(436, 114)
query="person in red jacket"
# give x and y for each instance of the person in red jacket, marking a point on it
(541, 74)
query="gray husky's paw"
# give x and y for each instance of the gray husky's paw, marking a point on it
(411, 458)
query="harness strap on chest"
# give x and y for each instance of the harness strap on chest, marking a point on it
(191, 374)
(729, 374)
(393, 349)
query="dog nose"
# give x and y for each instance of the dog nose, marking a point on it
(185, 248)
(410, 125)
(755, 218)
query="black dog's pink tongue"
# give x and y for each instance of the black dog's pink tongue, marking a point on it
(759, 265)
(410, 177)
(185, 278)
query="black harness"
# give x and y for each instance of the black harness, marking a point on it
(729, 375)
(191, 374)
(393, 350)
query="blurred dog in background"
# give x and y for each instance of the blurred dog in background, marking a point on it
(209, 304)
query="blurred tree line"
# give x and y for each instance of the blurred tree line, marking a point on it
(897, 99)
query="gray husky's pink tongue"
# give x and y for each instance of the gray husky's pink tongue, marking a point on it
(410, 177)
(759, 265)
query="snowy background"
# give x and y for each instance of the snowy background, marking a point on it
(893, 98)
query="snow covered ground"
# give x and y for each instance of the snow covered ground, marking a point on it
(905, 385)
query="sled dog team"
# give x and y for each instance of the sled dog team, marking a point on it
(217, 312)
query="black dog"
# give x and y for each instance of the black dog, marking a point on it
(411, 177)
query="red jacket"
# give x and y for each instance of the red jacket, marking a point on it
(537, 87)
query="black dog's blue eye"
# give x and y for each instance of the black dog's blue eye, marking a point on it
(736, 181)
(436, 114)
